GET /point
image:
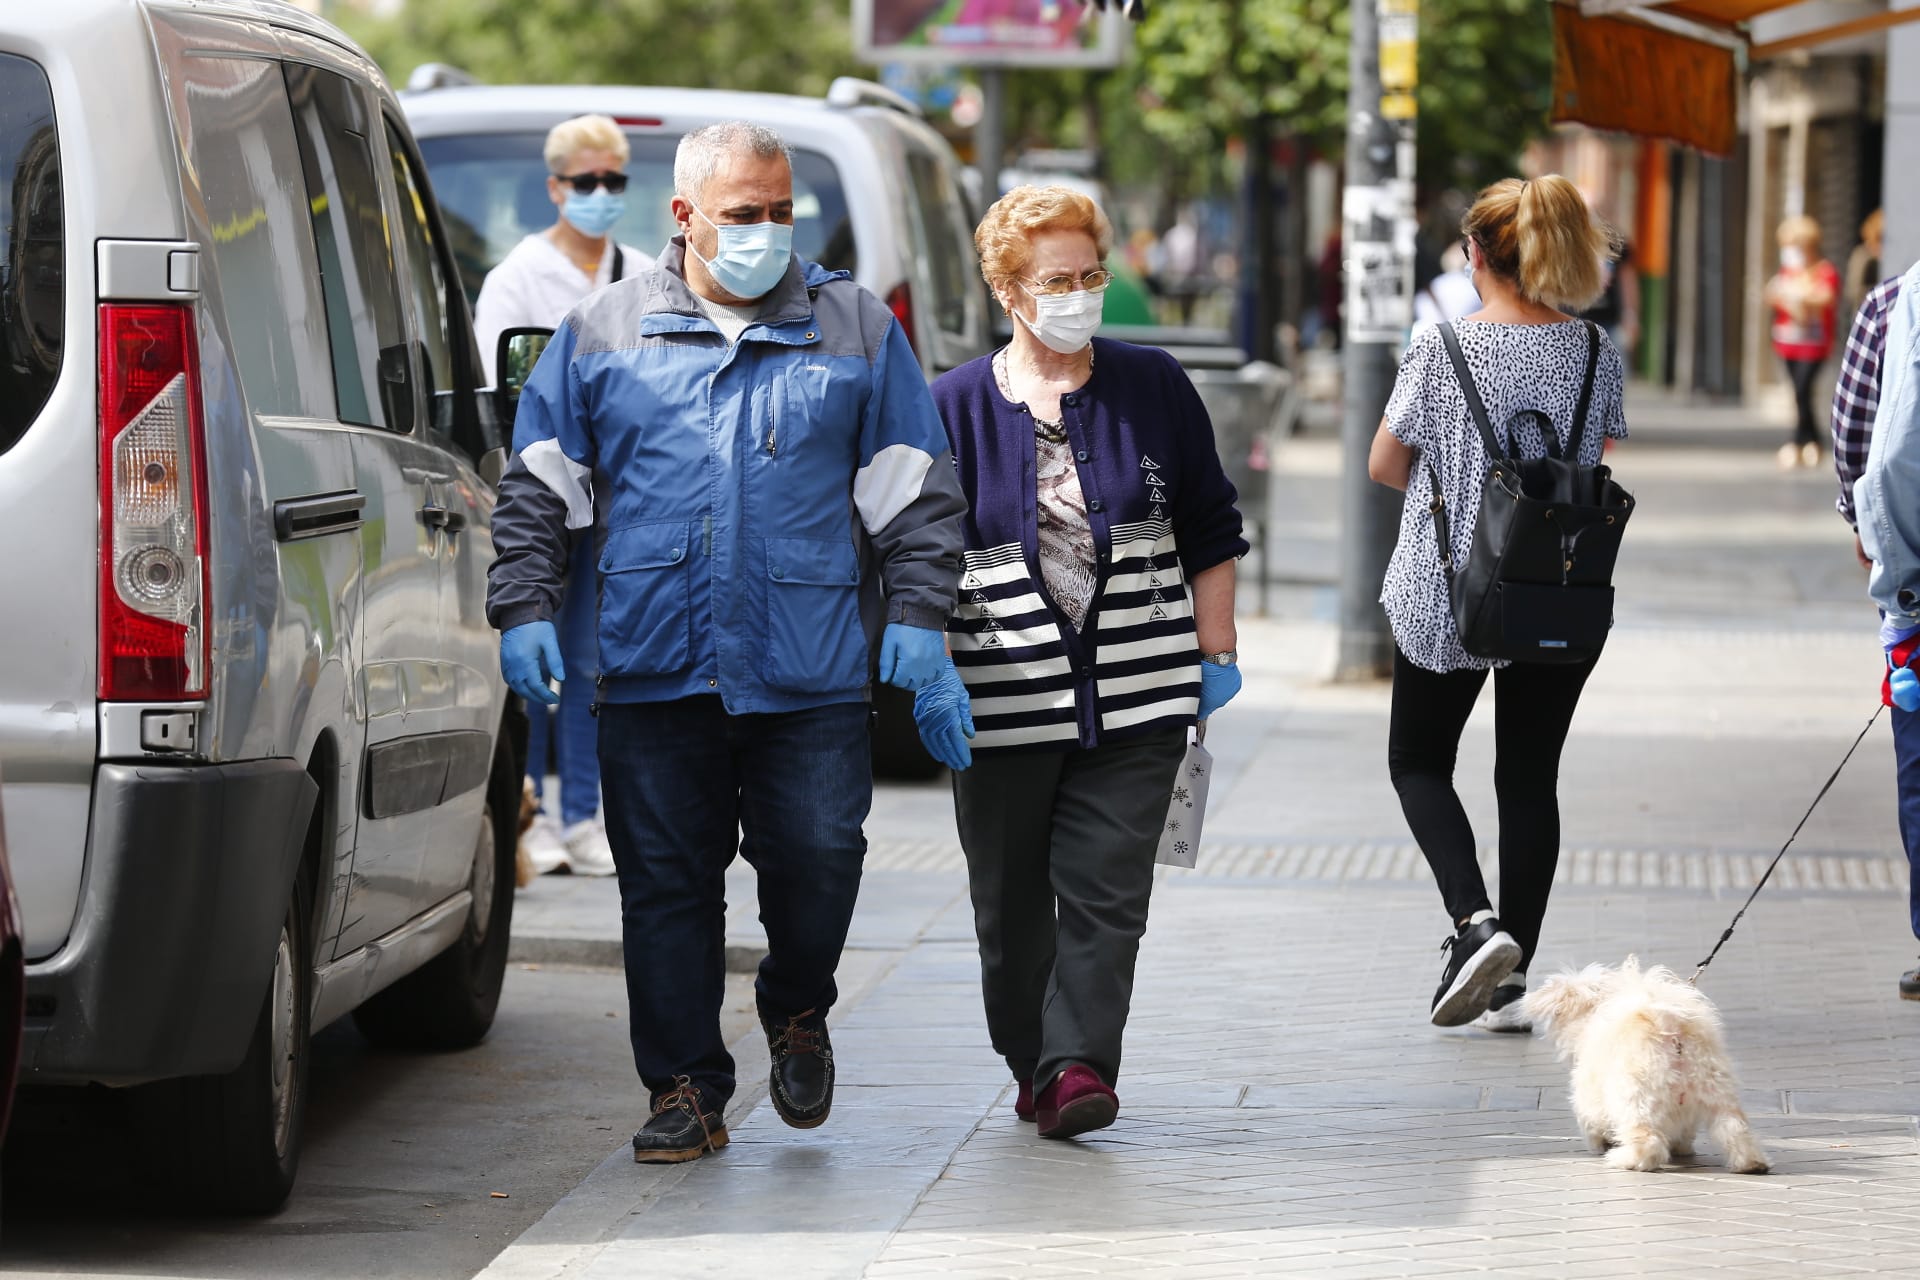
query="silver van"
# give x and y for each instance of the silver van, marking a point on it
(877, 191)
(251, 720)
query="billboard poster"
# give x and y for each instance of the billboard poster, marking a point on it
(1005, 33)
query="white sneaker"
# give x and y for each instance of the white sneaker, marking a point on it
(1788, 457)
(588, 850)
(546, 851)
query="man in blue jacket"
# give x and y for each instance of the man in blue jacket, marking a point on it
(753, 445)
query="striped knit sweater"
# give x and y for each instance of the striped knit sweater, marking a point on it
(1161, 511)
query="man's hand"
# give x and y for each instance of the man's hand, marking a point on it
(911, 657)
(529, 653)
(1860, 554)
(944, 715)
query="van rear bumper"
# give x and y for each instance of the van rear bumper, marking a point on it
(189, 868)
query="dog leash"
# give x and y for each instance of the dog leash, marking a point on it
(1767, 874)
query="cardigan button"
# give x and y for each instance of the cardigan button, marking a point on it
(1096, 505)
(1080, 456)
(1069, 400)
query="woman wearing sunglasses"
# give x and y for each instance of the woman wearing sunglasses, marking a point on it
(539, 281)
(1095, 626)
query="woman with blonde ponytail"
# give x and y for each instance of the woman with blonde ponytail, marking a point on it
(1535, 252)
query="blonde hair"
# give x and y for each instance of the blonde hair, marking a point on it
(1004, 237)
(1800, 230)
(584, 133)
(1541, 235)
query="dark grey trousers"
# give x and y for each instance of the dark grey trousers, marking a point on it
(1060, 849)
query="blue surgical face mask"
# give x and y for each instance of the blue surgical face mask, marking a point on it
(749, 260)
(593, 214)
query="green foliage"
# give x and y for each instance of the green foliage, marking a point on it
(782, 46)
(1486, 81)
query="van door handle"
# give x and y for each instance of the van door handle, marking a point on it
(435, 516)
(317, 515)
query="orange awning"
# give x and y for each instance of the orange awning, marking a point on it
(1619, 75)
(1667, 68)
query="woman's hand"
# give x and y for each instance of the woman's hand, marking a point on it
(1218, 684)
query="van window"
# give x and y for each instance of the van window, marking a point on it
(32, 248)
(424, 283)
(937, 203)
(371, 364)
(493, 193)
(240, 136)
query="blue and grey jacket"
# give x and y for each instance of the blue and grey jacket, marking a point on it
(759, 509)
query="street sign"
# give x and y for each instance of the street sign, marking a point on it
(988, 33)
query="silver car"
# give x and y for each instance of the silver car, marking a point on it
(877, 191)
(250, 712)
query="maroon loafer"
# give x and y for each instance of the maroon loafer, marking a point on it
(1077, 1102)
(1023, 1101)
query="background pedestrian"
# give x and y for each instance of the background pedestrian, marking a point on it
(1095, 625)
(1803, 295)
(1534, 249)
(539, 281)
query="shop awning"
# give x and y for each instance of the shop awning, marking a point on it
(1671, 68)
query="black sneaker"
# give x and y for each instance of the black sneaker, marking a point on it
(683, 1127)
(801, 1080)
(1479, 956)
(1503, 1010)
(1910, 984)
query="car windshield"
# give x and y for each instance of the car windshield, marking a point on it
(492, 189)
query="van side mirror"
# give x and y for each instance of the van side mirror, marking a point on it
(515, 355)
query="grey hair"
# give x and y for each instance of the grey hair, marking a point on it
(702, 152)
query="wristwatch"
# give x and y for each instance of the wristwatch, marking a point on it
(1226, 658)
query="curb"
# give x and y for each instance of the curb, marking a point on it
(606, 953)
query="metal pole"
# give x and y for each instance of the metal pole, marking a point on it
(1377, 244)
(989, 136)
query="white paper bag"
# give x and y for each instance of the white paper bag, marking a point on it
(1180, 837)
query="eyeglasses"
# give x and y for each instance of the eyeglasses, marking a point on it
(584, 183)
(1060, 286)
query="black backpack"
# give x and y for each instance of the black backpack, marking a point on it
(1538, 582)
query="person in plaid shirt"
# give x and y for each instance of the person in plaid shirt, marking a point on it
(1857, 395)
(1856, 402)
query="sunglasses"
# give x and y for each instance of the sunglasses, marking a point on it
(584, 183)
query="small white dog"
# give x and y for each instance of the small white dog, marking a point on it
(1649, 1065)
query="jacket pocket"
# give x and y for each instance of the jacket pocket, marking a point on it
(646, 619)
(815, 643)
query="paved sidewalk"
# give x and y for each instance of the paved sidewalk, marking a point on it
(1286, 1110)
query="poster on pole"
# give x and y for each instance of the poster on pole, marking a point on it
(988, 33)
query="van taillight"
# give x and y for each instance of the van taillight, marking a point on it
(153, 503)
(900, 302)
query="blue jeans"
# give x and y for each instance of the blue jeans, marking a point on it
(1906, 755)
(687, 784)
(578, 764)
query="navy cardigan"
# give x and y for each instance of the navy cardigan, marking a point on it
(1161, 509)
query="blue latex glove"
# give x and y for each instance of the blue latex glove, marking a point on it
(529, 653)
(944, 714)
(1217, 687)
(910, 657)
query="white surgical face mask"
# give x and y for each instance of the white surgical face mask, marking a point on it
(1793, 257)
(1064, 322)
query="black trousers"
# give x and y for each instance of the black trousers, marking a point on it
(1060, 848)
(1802, 373)
(1533, 707)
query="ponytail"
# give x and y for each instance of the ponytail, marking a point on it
(1541, 236)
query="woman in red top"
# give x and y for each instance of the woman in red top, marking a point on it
(1802, 295)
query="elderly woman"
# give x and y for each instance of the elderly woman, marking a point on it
(539, 281)
(1095, 626)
